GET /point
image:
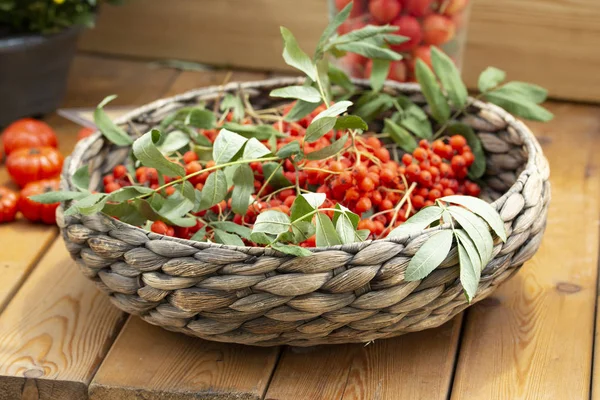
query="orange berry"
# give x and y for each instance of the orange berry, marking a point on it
(458, 142)
(363, 204)
(407, 159)
(420, 154)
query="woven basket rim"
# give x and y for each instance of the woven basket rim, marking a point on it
(73, 161)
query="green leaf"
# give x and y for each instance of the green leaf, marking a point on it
(363, 33)
(417, 222)
(465, 240)
(215, 190)
(346, 222)
(326, 234)
(200, 236)
(351, 122)
(147, 153)
(400, 136)
(55, 197)
(229, 172)
(440, 110)
(328, 151)
(300, 110)
(339, 77)
(108, 128)
(227, 145)
(300, 208)
(201, 118)
(291, 249)
(227, 238)
(289, 149)
(260, 132)
(483, 209)
(469, 274)
(429, 256)
(243, 187)
(128, 193)
(88, 205)
(174, 141)
(331, 29)
(278, 180)
(271, 222)
(315, 200)
(477, 169)
(325, 85)
(370, 50)
(255, 150)
(417, 126)
(318, 128)
(354, 218)
(302, 230)
(306, 93)
(295, 57)
(477, 230)
(127, 212)
(515, 103)
(449, 76)
(535, 93)
(175, 206)
(232, 227)
(372, 104)
(336, 109)
(262, 238)
(490, 78)
(379, 73)
(233, 103)
(187, 190)
(363, 234)
(177, 116)
(81, 178)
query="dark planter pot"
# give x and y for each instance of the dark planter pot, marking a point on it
(33, 73)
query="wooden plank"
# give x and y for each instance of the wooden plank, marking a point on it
(552, 43)
(151, 363)
(413, 366)
(533, 338)
(54, 332)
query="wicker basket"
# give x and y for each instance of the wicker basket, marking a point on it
(348, 293)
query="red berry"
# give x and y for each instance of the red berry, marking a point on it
(409, 27)
(412, 172)
(363, 204)
(425, 178)
(407, 159)
(438, 29)
(420, 154)
(458, 142)
(108, 179)
(398, 71)
(435, 160)
(448, 192)
(170, 231)
(418, 202)
(159, 227)
(387, 175)
(469, 158)
(386, 205)
(383, 154)
(190, 156)
(472, 189)
(455, 6)
(336, 166)
(424, 144)
(384, 11)
(458, 162)
(376, 197)
(352, 194)
(418, 8)
(434, 194)
(119, 172)
(423, 53)
(112, 187)
(366, 185)
(379, 227)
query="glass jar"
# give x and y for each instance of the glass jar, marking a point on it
(441, 23)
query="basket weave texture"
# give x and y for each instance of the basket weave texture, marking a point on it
(341, 294)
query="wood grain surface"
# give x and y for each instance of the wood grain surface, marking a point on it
(552, 43)
(533, 338)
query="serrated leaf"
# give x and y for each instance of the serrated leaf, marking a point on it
(418, 222)
(429, 256)
(300, 110)
(370, 50)
(55, 197)
(232, 227)
(477, 230)
(295, 57)
(535, 93)
(174, 141)
(214, 191)
(339, 77)
(227, 238)
(490, 78)
(318, 128)
(469, 274)
(328, 151)
(108, 128)
(271, 222)
(291, 249)
(440, 110)
(379, 73)
(81, 178)
(325, 231)
(477, 169)
(255, 150)
(465, 240)
(227, 145)
(449, 76)
(400, 136)
(278, 180)
(483, 209)
(260, 132)
(306, 93)
(420, 128)
(350, 122)
(145, 150)
(234, 104)
(128, 193)
(289, 149)
(243, 187)
(515, 103)
(201, 118)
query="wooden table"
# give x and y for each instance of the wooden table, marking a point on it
(60, 338)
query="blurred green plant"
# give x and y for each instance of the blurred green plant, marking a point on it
(46, 16)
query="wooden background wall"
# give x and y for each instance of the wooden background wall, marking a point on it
(555, 43)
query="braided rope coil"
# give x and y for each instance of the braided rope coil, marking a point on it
(341, 294)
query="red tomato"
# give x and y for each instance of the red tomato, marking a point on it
(8, 204)
(27, 133)
(85, 132)
(34, 211)
(29, 165)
